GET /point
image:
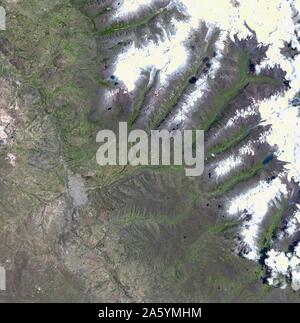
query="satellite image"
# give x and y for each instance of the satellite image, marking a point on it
(149, 151)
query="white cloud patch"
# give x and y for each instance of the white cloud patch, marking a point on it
(283, 268)
(293, 224)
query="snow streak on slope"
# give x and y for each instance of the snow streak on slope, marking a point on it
(131, 6)
(202, 83)
(249, 111)
(225, 166)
